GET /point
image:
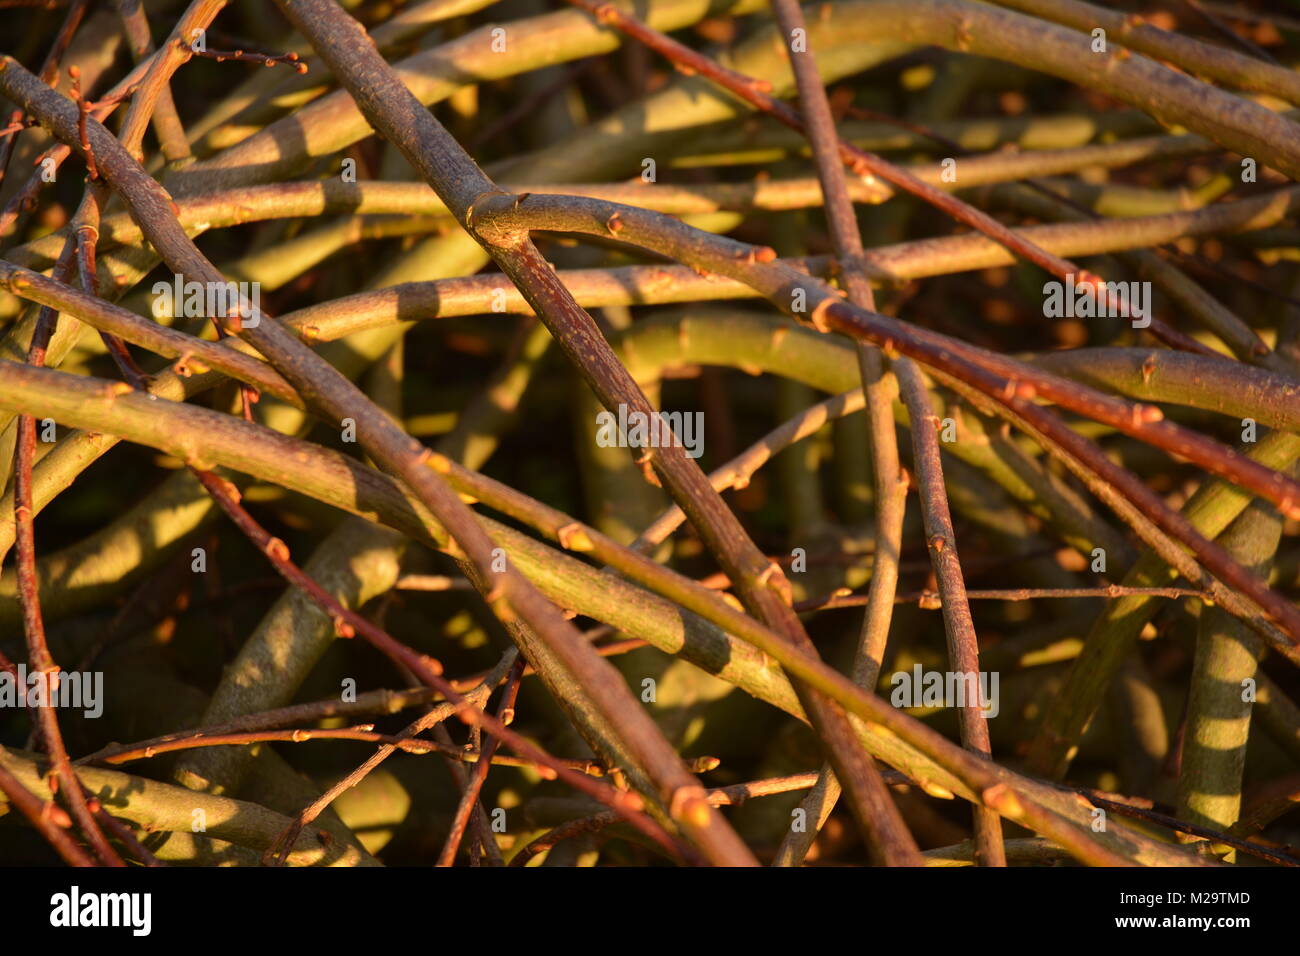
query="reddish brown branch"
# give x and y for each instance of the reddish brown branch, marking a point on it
(469, 798)
(932, 600)
(86, 230)
(266, 59)
(83, 112)
(114, 756)
(38, 652)
(959, 627)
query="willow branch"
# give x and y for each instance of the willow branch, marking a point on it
(959, 627)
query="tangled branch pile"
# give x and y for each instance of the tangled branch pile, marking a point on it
(373, 344)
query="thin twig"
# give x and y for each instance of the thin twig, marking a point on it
(933, 600)
(963, 645)
(38, 652)
(265, 59)
(432, 719)
(469, 799)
